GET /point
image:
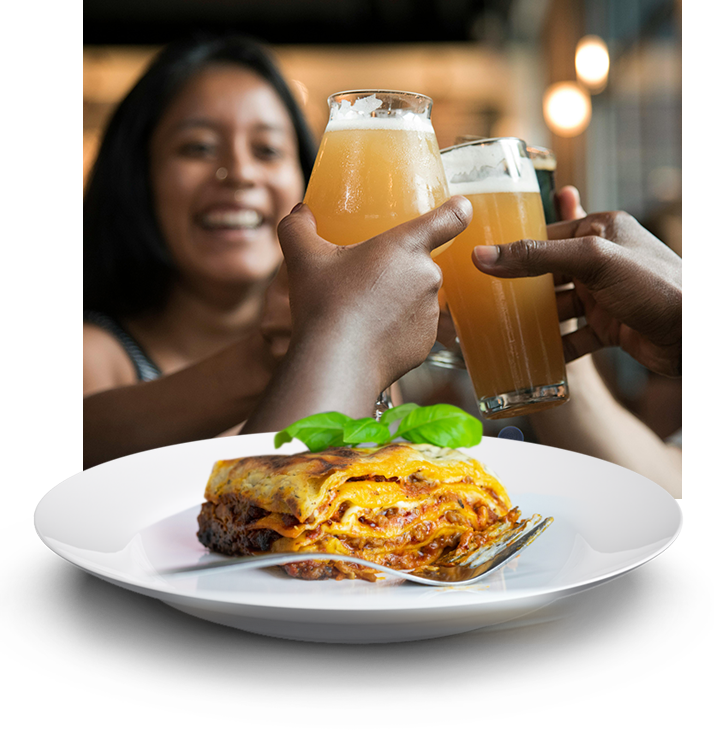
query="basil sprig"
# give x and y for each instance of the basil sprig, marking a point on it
(442, 425)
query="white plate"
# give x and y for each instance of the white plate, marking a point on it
(125, 520)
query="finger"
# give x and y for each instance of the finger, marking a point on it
(297, 233)
(562, 279)
(563, 229)
(582, 258)
(581, 342)
(569, 203)
(569, 305)
(432, 229)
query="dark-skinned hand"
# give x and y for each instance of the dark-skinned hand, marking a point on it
(378, 298)
(627, 285)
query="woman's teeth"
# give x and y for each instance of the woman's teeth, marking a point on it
(236, 219)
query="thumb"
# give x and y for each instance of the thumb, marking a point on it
(433, 229)
(297, 233)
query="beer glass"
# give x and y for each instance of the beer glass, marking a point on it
(378, 165)
(545, 163)
(508, 328)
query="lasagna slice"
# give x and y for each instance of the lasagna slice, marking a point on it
(400, 505)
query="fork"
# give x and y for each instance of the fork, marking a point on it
(463, 570)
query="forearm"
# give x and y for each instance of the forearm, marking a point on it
(594, 423)
(317, 374)
(198, 402)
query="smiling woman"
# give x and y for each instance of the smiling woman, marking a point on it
(224, 172)
(202, 159)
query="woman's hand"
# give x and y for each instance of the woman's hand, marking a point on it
(627, 285)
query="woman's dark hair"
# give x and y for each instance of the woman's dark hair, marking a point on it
(127, 267)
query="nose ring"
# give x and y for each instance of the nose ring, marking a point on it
(221, 173)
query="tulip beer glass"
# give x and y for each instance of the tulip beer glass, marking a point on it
(378, 165)
(508, 328)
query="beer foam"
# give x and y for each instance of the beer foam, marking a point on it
(496, 168)
(366, 113)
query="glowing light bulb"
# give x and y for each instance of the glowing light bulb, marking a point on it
(566, 108)
(592, 62)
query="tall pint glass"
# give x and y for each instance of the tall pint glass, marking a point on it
(378, 165)
(544, 162)
(508, 328)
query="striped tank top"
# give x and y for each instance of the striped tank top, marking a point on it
(145, 368)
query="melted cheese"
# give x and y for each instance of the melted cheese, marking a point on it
(305, 485)
(401, 504)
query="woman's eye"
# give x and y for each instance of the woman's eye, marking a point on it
(268, 152)
(198, 149)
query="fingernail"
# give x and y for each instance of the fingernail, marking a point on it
(464, 202)
(487, 255)
(297, 208)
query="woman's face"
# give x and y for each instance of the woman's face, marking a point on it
(224, 171)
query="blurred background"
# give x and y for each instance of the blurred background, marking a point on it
(597, 81)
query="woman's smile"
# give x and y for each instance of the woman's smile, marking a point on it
(231, 219)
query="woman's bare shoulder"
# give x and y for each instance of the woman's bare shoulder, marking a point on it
(106, 363)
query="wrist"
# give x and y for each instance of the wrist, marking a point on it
(339, 357)
(319, 373)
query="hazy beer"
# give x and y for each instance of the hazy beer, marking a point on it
(508, 328)
(378, 165)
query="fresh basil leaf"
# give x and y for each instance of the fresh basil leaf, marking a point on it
(442, 425)
(317, 432)
(317, 439)
(365, 431)
(394, 414)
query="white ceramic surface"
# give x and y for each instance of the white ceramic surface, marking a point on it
(125, 520)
